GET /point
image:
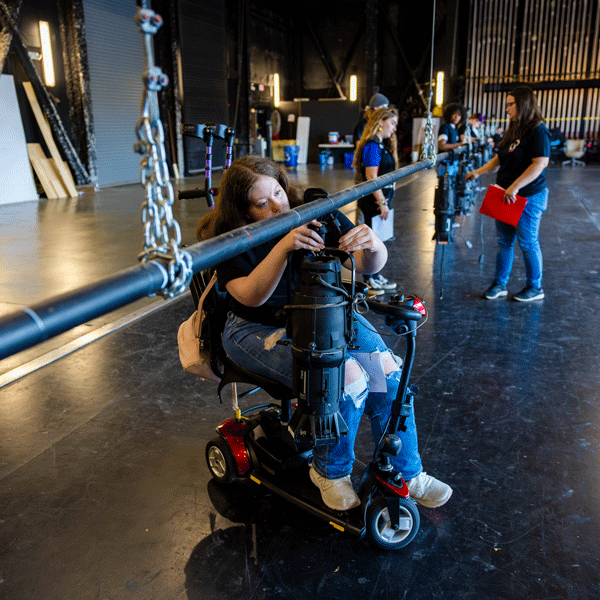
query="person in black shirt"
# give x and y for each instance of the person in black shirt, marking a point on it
(497, 138)
(521, 161)
(473, 124)
(254, 189)
(449, 137)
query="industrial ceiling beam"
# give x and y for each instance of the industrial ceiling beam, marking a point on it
(351, 50)
(371, 50)
(325, 58)
(398, 45)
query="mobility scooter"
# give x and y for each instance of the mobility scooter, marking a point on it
(271, 444)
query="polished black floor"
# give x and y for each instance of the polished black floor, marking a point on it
(104, 490)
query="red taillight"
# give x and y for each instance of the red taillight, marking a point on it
(419, 305)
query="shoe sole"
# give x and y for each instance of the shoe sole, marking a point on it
(538, 297)
(373, 292)
(501, 294)
(430, 504)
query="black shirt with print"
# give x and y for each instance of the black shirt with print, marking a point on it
(515, 159)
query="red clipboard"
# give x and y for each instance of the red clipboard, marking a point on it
(494, 207)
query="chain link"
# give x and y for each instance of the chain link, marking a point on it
(429, 148)
(161, 230)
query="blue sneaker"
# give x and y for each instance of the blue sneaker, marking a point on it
(495, 291)
(528, 294)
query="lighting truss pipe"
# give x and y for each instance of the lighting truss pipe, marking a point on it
(30, 326)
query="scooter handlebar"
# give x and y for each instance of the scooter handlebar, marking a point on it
(394, 310)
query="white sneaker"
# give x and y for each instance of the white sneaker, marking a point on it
(337, 494)
(429, 491)
(384, 283)
(375, 288)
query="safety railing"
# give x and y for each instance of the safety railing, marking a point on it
(32, 325)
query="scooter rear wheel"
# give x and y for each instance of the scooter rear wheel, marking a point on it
(379, 529)
(221, 461)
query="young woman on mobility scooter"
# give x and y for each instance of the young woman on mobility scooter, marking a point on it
(253, 189)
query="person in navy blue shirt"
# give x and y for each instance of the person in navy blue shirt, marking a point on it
(376, 154)
(448, 135)
(521, 161)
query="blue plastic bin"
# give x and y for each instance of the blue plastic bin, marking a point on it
(348, 158)
(291, 155)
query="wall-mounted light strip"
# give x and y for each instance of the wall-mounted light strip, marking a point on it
(47, 54)
(439, 89)
(353, 88)
(276, 97)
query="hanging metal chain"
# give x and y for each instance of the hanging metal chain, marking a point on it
(429, 147)
(161, 230)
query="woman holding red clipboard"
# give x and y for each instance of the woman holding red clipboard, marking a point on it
(523, 155)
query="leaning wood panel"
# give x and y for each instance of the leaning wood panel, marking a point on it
(35, 157)
(54, 177)
(50, 172)
(65, 175)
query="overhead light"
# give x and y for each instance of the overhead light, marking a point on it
(47, 54)
(276, 97)
(353, 88)
(439, 89)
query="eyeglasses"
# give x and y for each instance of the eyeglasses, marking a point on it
(509, 104)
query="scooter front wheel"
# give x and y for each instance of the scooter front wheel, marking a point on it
(221, 461)
(380, 530)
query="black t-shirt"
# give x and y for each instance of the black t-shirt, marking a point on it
(243, 264)
(515, 159)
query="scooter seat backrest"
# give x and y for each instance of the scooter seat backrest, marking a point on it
(216, 307)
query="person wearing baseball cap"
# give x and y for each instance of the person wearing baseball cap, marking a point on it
(377, 101)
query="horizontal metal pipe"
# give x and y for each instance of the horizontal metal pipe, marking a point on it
(27, 327)
(30, 326)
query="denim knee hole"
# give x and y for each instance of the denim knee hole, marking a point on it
(357, 390)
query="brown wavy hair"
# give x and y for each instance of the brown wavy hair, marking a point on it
(529, 116)
(233, 200)
(452, 108)
(373, 124)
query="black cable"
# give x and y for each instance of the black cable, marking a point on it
(482, 255)
(380, 441)
(442, 272)
(331, 287)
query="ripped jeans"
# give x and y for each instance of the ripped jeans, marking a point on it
(244, 342)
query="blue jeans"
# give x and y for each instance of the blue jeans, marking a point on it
(527, 232)
(244, 342)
